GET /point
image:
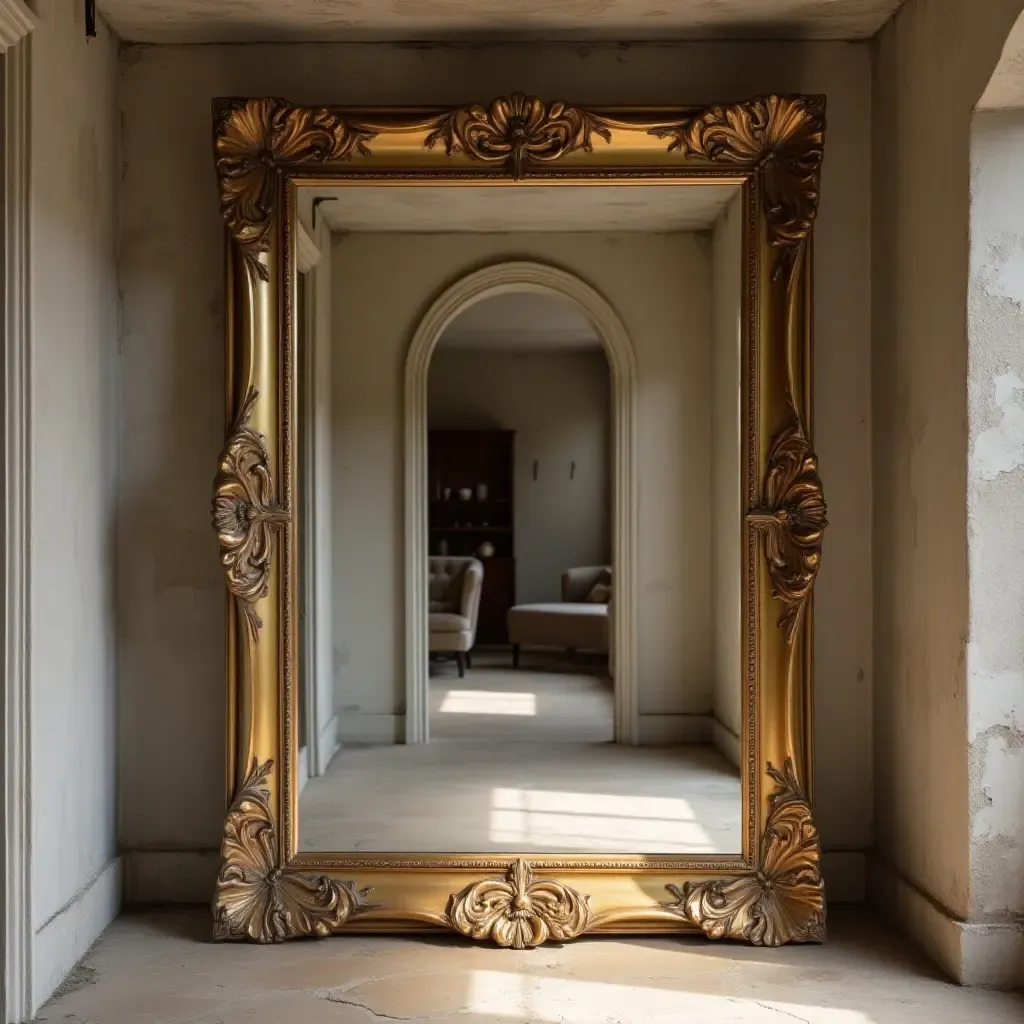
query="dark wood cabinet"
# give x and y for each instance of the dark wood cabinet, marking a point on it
(472, 505)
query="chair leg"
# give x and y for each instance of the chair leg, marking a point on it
(469, 660)
(515, 655)
(460, 660)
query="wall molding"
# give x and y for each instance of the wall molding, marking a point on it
(669, 730)
(16, 21)
(329, 744)
(500, 279)
(361, 727)
(985, 954)
(66, 937)
(726, 742)
(18, 937)
(307, 252)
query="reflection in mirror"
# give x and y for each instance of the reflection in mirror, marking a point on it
(522, 505)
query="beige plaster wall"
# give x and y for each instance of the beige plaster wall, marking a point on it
(933, 63)
(73, 498)
(726, 469)
(658, 284)
(559, 405)
(171, 601)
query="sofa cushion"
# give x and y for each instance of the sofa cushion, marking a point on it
(574, 624)
(446, 622)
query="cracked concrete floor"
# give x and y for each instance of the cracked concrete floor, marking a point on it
(159, 967)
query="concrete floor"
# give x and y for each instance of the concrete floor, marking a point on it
(161, 968)
(523, 761)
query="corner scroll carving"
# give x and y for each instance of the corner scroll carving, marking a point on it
(519, 912)
(783, 900)
(517, 131)
(792, 518)
(255, 899)
(783, 137)
(246, 513)
(253, 141)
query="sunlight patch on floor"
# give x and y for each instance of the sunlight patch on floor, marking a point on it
(504, 995)
(488, 702)
(594, 821)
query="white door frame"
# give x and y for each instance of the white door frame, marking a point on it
(16, 21)
(521, 276)
(313, 631)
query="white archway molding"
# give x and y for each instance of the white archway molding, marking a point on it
(499, 279)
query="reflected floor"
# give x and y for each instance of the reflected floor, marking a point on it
(522, 761)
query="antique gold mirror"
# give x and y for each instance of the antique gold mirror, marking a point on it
(520, 518)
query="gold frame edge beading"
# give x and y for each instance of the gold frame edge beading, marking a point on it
(773, 893)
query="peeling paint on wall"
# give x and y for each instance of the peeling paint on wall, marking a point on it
(995, 503)
(1000, 449)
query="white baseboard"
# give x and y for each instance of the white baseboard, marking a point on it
(356, 727)
(66, 937)
(329, 744)
(726, 742)
(666, 730)
(990, 955)
(844, 873)
(170, 876)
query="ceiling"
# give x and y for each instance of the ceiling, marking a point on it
(523, 322)
(475, 208)
(202, 21)
(1005, 89)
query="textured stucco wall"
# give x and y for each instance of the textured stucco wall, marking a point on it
(995, 517)
(171, 606)
(933, 63)
(73, 325)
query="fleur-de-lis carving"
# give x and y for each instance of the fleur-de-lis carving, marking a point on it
(519, 912)
(255, 899)
(783, 899)
(792, 519)
(517, 131)
(246, 513)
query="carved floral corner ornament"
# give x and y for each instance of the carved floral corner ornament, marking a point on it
(517, 131)
(254, 141)
(784, 138)
(792, 519)
(783, 899)
(519, 911)
(246, 513)
(255, 899)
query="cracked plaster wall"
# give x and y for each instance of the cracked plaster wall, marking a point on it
(73, 325)
(995, 516)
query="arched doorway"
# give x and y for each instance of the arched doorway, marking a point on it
(504, 278)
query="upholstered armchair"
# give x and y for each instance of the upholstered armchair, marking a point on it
(455, 586)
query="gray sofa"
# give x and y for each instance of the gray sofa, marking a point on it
(579, 622)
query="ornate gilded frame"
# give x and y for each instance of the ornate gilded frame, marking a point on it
(769, 894)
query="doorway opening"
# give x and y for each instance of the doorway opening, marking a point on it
(519, 517)
(566, 622)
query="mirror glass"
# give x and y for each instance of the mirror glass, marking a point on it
(529, 494)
